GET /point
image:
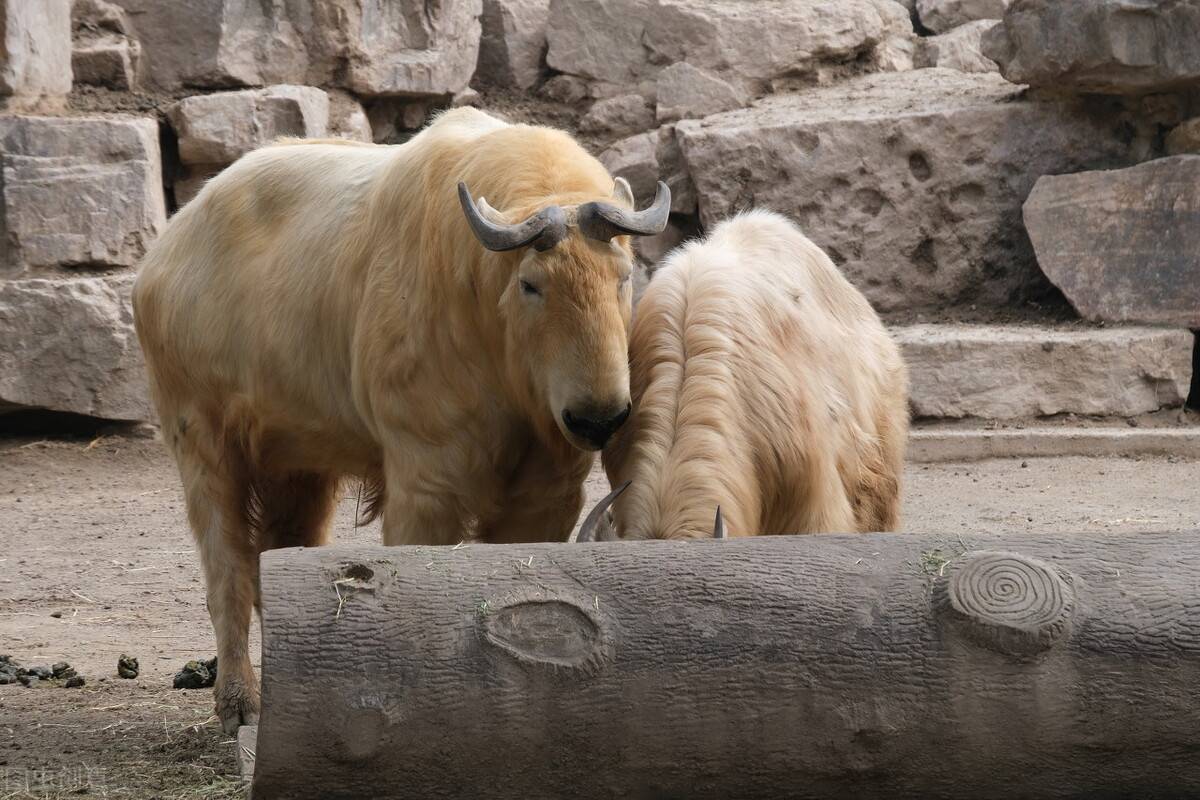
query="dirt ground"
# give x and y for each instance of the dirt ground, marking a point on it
(95, 561)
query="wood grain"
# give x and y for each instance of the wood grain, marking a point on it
(889, 665)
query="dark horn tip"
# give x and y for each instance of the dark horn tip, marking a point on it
(719, 526)
(587, 531)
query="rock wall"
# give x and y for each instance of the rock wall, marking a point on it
(898, 134)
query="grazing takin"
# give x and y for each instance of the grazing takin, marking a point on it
(763, 385)
(330, 309)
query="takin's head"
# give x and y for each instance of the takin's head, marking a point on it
(569, 302)
(601, 518)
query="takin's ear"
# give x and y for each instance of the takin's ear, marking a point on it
(622, 192)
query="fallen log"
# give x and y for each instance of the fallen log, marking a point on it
(881, 665)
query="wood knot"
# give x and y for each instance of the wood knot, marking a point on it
(1006, 602)
(547, 630)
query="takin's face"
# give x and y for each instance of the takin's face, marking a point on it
(568, 312)
(568, 303)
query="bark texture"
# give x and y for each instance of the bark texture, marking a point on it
(891, 666)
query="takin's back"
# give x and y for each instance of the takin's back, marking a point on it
(257, 286)
(762, 382)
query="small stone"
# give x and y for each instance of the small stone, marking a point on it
(960, 48)
(56, 614)
(28, 680)
(621, 116)
(467, 97)
(942, 15)
(1184, 138)
(1024, 464)
(566, 89)
(127, 667)
(687, 92)
(74, 682)
(45, 673)
(62, 670)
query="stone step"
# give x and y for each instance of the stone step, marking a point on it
(1001, 372)
(930, 444)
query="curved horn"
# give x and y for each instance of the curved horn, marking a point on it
(603, 221)
(719, 526)
(587, 531)
(543, 230)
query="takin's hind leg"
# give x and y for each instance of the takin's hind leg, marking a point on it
(216, 488)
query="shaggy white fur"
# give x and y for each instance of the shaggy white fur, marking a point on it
(762, 382)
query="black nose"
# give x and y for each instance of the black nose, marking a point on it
(594, 428)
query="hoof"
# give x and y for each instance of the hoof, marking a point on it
(237, 704)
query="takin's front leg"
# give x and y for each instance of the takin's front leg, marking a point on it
(420, 509)
(540, 503)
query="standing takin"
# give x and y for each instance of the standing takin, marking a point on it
(767, 396)
(329, 309)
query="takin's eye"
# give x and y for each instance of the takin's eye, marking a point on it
(529, 290)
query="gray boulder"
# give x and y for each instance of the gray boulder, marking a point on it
(103, 50)
(912, 181)
(1123, 245)
(81, 192)
(942, 16)
(1105, 46)
(647, 158)
(960, 48)
(619, 116)
(513, 43)
(69, 345)
(1014, 371)
(35, 53)
(218, 129)
(399, 47)
(746, 43)
(686, 91)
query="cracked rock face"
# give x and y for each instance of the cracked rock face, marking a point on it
(912, 182)
(35, 53)
(513, 42)
(745, 44)
(371, 47)
(1123, 245)
(1104, 46)
(1009, 372)
(942, 16)
(69, 345)
(79, 192)
(104, 51)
